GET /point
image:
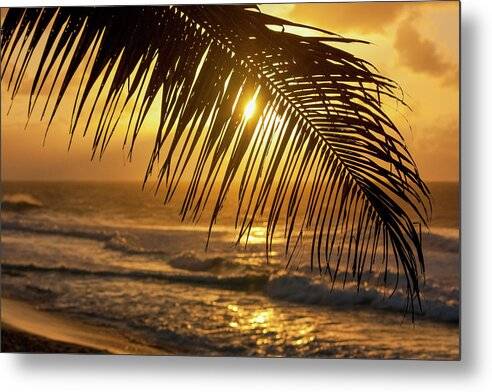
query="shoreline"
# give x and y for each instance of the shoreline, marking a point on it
(15, 341)
(26, 329)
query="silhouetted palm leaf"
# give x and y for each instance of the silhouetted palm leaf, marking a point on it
(319, 154)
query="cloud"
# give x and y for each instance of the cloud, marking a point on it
(435, 147)
(368, 17)
(421, 54)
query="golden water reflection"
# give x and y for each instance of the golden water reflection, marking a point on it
(269, 328)
(257, 236)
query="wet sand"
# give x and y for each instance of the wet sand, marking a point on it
(29, 330)
(15, 341)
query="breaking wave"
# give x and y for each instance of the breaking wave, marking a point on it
(233, 282)
(438, 303)
(441, 304)
(19, 202)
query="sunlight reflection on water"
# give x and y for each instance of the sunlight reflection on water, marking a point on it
(268, 328)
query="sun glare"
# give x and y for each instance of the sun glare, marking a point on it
(249, 110)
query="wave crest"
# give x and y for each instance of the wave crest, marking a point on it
(303, 289)
(190, 262)
(249, 281)
(19, 202)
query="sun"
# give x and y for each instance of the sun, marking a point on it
(249, 109)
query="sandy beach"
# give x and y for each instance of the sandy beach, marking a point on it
(15, 341)
(28, 330)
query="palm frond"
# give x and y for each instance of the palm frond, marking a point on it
(319, 156)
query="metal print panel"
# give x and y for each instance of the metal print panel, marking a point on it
(241, 180)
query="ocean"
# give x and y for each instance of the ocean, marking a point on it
(114, 255)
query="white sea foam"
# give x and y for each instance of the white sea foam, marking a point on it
(438, 303)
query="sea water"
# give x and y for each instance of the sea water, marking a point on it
(116, 256)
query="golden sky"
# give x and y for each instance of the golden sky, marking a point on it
(414, 43)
